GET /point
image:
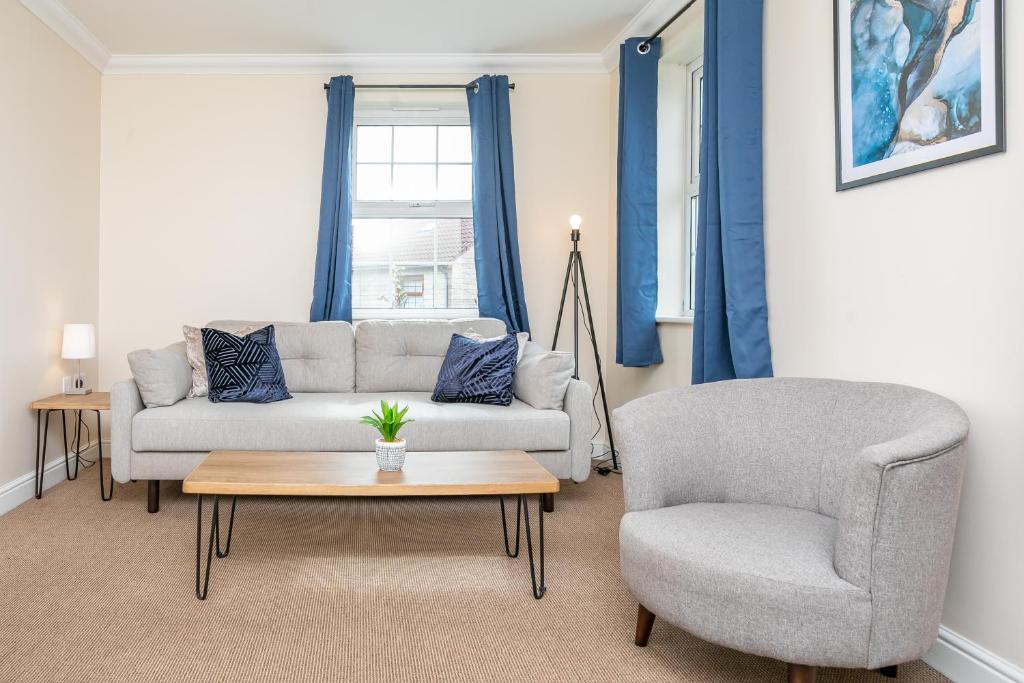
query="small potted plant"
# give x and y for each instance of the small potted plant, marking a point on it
(390, 449)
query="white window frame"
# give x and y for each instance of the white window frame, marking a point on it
(390, 209)
(678, 183)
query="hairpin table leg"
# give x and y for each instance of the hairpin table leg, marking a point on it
(99, 442)
(523, 513)
(203, 577)
(42, 430)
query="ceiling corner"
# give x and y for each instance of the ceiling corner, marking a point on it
(66, 25)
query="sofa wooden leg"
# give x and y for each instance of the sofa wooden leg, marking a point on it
(801, 673)
(153, 497)
(549, 501)
(889, 671)
(644, 624)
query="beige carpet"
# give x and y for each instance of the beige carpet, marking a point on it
(319, 590)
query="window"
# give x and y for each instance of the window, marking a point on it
(680, 85)
(412, 226)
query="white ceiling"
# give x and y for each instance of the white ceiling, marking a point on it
(135, 27)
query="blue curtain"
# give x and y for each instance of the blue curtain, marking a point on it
(637, 235)
(499, 277)
(730, 331)
(332, 281)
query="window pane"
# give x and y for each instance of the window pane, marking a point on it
(394, 263)
(414, 182)
(373, 143)
(370, 240)
(416, 143)
(373, 182)
(454, 182)
(693, 251)
(412, 240)
(453, 145)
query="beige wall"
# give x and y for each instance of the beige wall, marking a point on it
(49, 209)
(211, 190)
(915, 280)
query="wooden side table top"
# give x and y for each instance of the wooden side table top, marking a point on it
(97, 400)
(459, 473)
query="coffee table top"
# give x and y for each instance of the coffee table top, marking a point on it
(450, 473)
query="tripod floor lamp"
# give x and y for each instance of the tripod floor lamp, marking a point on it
(575, 273)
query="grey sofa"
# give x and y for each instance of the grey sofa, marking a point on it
(806, 520)
(336, 374)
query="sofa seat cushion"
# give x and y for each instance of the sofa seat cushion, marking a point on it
(330, 422)
(755, 578)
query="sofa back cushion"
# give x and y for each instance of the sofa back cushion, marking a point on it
(316, 357)
(406, 355)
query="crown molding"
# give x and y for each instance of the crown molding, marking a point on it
(66, 25)
(382, 63)
(647, 20)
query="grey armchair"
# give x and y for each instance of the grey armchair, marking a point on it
(806, 520)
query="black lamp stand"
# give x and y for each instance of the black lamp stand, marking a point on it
(574, 271)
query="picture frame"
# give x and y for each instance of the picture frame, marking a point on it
(930, 94)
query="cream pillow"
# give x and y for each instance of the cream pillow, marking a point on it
(542, 377)
(197, 359)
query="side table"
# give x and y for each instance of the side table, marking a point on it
(77, 403)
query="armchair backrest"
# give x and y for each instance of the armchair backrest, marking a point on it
(780, 441)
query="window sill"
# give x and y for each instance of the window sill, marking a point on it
(413, 313)
(675, 319)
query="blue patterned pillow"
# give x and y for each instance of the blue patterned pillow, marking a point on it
(477, 371)
(244, 369)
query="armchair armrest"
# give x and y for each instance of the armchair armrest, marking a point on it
(897, 518)
(125, 402)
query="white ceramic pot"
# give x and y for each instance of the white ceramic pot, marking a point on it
(390, 455)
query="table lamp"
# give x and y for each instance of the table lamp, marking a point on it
(79, 343)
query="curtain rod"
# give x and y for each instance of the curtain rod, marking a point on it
(415, 86)
(645, 47)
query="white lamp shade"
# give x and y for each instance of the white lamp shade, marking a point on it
(79, 341)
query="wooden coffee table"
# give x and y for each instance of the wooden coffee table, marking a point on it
(465, 473)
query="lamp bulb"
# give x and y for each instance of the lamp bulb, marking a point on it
(575, 221)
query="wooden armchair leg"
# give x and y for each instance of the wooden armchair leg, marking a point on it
(801, 673)
(644, 623)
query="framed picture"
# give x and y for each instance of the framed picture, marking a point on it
(918, 84)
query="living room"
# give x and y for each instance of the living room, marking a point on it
(777, 437)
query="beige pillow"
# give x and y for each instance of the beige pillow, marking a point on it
(542, 377)
(197, 359)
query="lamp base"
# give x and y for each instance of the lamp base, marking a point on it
(80, 391)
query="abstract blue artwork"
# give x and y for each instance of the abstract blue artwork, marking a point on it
(919, 84)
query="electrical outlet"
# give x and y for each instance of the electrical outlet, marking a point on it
(67, 383)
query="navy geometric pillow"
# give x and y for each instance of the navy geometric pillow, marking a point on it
(244, 369)
(477, 371)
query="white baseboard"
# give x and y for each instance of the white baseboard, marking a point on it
(963, 661)
(17, 491)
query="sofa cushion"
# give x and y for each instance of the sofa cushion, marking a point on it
(316, 357)
(542, 377)
(731, 573)
(330, 422)
(406, 355)
(163, 376)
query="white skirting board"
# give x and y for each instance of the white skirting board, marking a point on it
(963, 661)
(17, 491)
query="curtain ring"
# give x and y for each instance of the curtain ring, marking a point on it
(644, 47)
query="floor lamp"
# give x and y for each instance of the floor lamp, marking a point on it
(574, 272)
